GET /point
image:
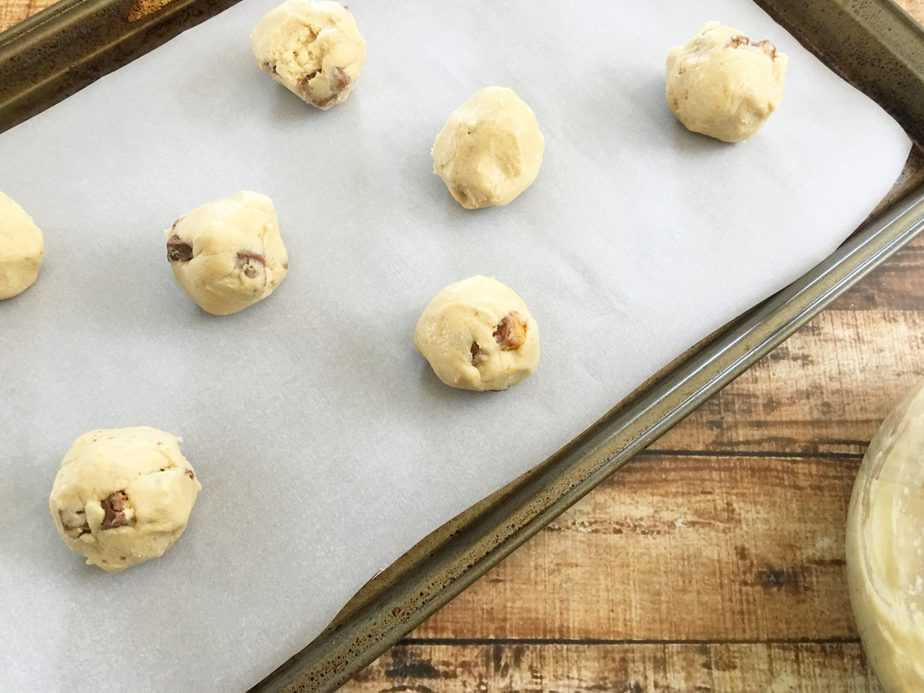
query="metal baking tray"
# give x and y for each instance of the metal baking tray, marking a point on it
(872, 43)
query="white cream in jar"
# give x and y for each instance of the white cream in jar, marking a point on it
(885, 548)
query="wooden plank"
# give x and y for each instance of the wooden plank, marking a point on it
(678, 548)
(898, 284)
(914, 7)
(824, 391)
(627, 668)
(14, 11)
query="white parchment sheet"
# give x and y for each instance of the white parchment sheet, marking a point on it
(325, 445)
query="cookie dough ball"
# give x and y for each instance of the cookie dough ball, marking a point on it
(478, 334)
(723, 84)
(123, 496)
(22, 249)
(228, 254)
(490, 149)
(313, 48)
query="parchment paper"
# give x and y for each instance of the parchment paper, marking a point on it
(325, 445)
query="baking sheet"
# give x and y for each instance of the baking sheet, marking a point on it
(324, 444)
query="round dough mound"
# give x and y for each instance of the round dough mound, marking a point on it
(228, 254)
(490, 149)
(723, 84)
(123, 496)
(478, 334)
(313, 48)
(22, 249)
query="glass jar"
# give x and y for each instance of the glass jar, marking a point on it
(885, 548)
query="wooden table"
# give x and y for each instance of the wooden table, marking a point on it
(713, 562)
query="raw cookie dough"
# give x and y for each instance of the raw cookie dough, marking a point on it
(478, 334)
(228, 254)
(885, 548)
(490, 149)
(313, 48)
(123, 496)
(723, 84)
(22, 249)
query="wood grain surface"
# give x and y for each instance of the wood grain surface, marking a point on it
(715, 561)
(13, 11)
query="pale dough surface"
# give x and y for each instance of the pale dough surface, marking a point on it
(313, 48)
(490, 149)
(123, 496)
(228, 254)
(22, 248)
(885, 548)
(724, 84)
(478, 334)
